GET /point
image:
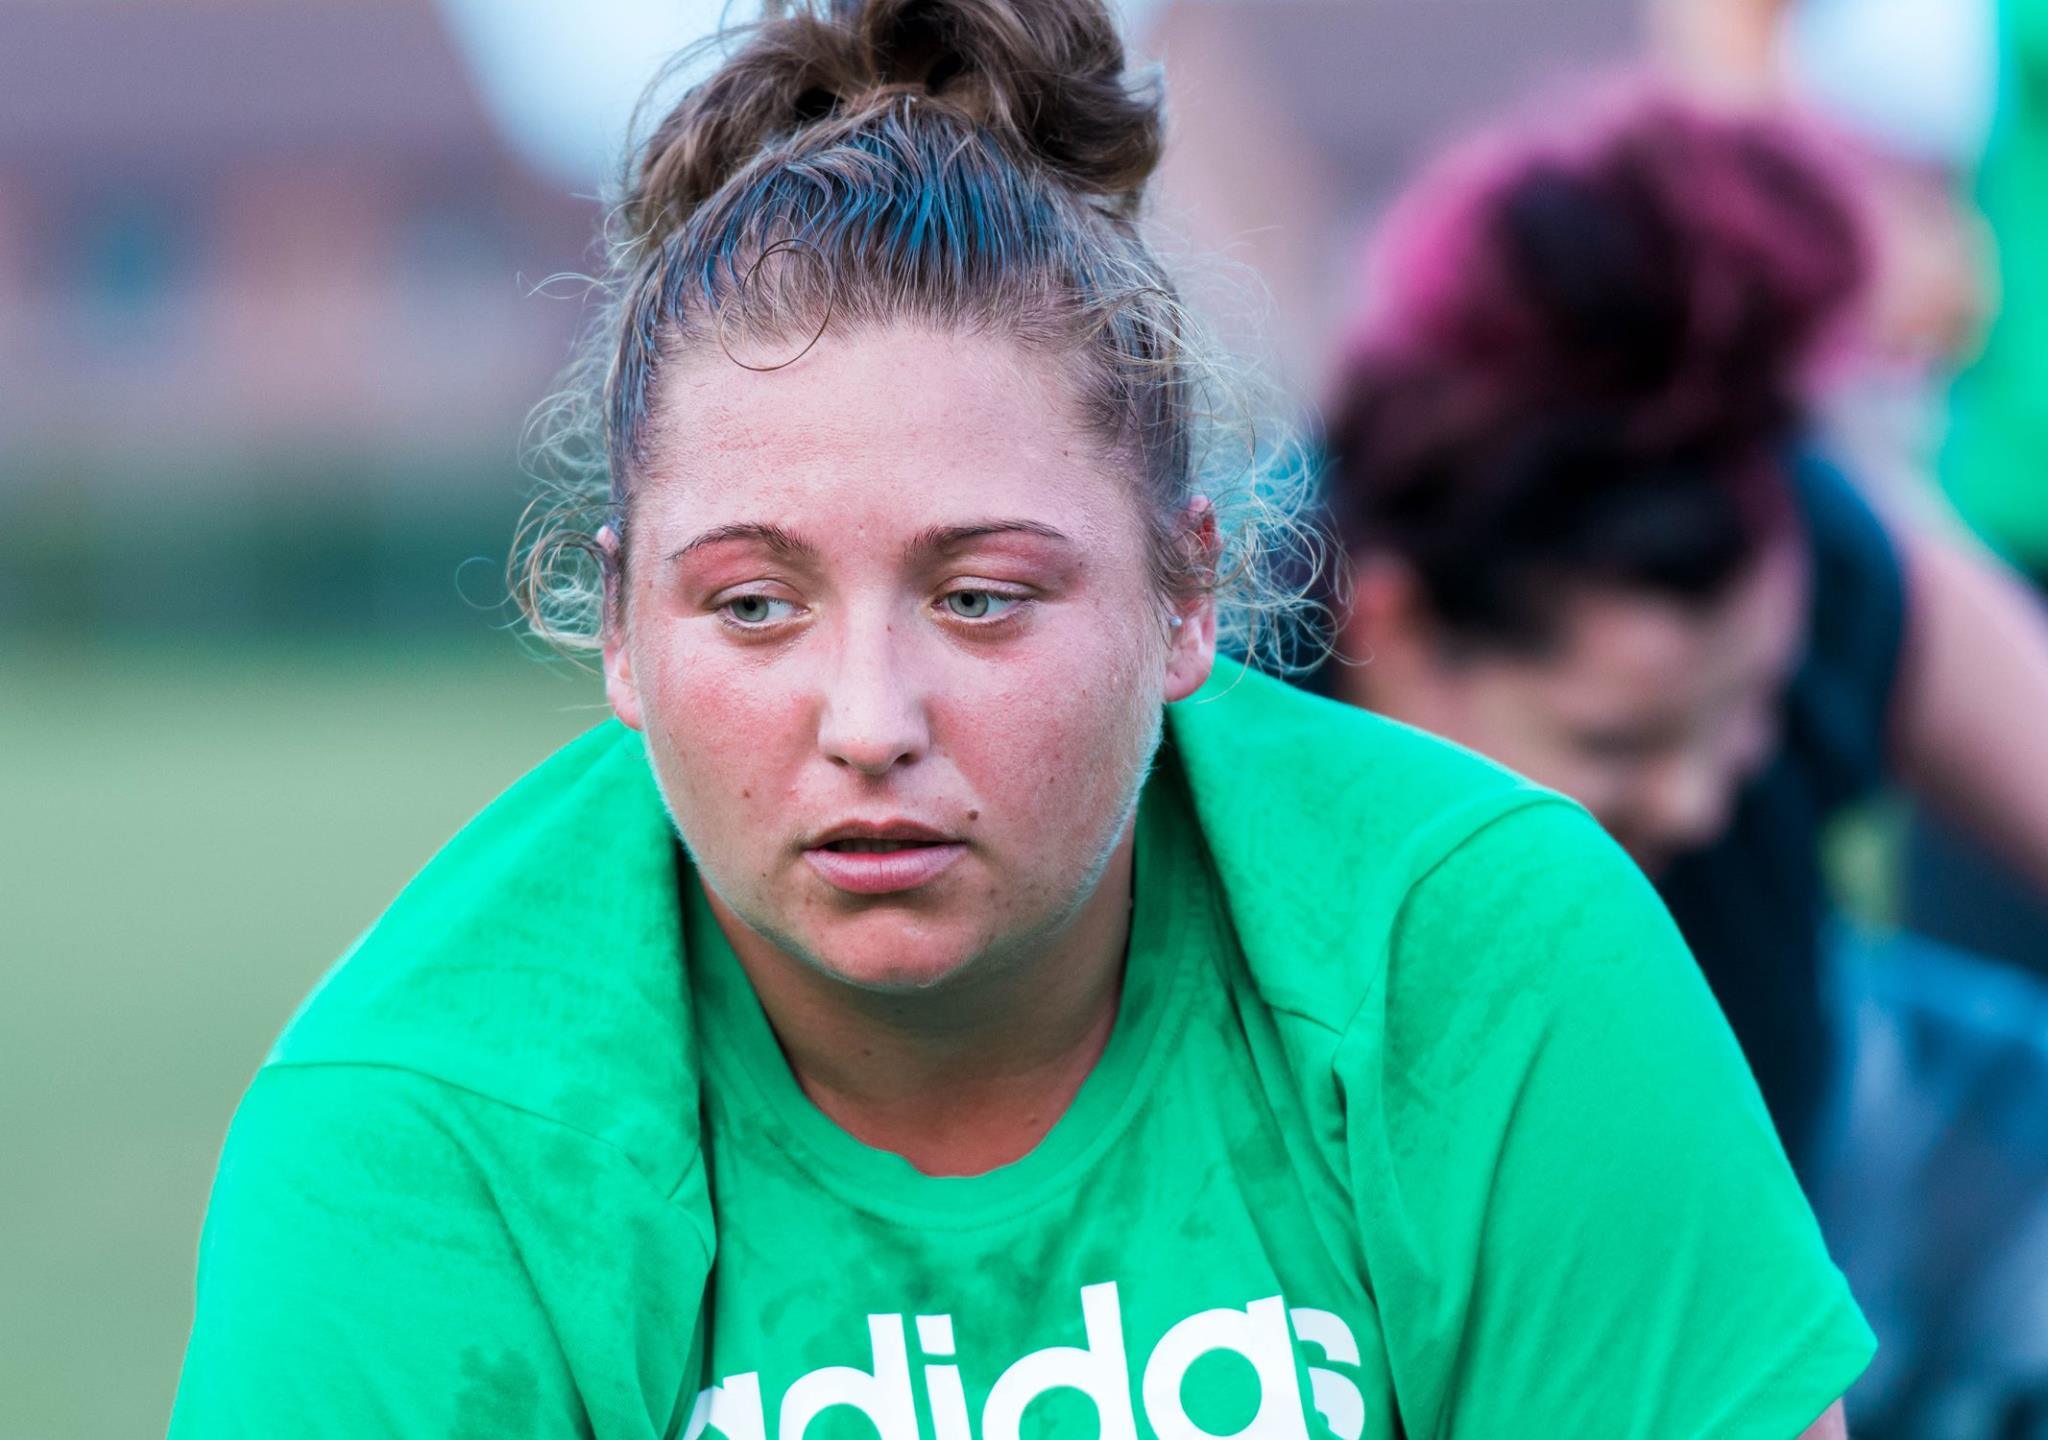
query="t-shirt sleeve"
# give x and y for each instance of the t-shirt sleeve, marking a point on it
(379, 1258)
(1576, 1217)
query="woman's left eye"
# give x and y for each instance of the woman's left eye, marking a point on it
(752, 611)
(979, 604)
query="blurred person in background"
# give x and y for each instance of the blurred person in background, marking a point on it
(1944, 105)
(1569, 460)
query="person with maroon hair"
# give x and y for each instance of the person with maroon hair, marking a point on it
(1586, 535)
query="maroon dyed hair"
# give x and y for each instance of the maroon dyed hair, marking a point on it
(1589, 360)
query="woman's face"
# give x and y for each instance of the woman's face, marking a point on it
(890, 631)
(1650, 713)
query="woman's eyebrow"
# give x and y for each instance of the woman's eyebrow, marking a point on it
(783, 542)
(939, 539)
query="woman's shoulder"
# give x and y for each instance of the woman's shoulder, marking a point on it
(1324, 821)
(1522, 1077)
(388, 1253)
(535, 963)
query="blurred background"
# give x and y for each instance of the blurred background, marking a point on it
(279, 284)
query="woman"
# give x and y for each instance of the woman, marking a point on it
(1007, 1045)
(1588, 540)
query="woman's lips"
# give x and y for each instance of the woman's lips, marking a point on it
(883, 872)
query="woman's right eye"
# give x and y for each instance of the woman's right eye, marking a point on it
(757, 610)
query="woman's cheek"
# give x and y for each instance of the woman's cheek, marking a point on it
(1059, 749)
(704, 706)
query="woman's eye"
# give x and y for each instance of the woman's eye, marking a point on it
(757, 609)
(978, 604)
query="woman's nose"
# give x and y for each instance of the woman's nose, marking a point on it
(872, 718)
(1689, 803)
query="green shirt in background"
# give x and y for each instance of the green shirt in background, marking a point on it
(1416, 1120)
(1996, 468)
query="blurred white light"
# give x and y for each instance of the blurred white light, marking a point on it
(1920, 77)
(561, 78)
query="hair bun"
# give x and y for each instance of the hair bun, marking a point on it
(1680, 265)
(1045, 77)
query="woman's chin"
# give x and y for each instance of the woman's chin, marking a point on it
(904, 968)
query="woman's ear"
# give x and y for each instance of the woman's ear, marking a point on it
(1388, 620)
(618, 664)
(1191, 623)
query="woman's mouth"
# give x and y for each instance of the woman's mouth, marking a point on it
(882, 864)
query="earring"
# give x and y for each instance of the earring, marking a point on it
(1173, 622)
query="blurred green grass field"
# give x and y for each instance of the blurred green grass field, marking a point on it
(188, 838)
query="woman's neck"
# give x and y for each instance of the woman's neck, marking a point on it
(970, 1074)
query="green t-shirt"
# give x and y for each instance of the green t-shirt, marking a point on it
(1416, 1120)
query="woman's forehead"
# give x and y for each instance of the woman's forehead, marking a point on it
(892, 430)
(1628, 652)
(895, 388)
